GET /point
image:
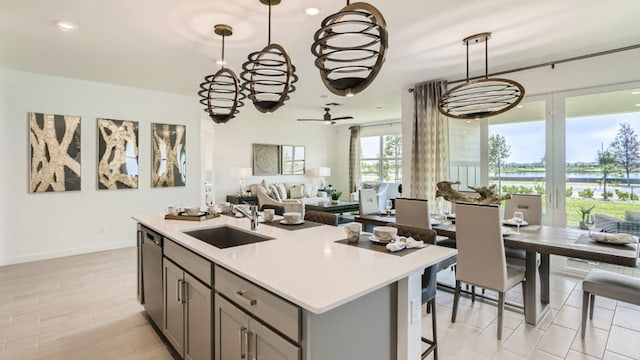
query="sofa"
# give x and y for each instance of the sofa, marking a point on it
(610, 224)
(384, 190)
(291, 196)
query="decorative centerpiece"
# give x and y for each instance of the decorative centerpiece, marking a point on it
(584, 213)
(487, 194)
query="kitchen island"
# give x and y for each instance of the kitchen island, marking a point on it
(353, 303)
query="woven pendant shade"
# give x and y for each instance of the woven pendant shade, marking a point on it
(483, 97)
(350, 48)
(268, 74)
(221, 93)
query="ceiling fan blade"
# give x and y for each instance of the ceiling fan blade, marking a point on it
(310, 120)
(343, 118)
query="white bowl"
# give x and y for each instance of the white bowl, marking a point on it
(385, 233)
(192, 210)
(292, 217)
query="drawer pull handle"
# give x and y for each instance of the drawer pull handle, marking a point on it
(246, 299)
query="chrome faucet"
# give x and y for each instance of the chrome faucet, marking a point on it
(252, 215)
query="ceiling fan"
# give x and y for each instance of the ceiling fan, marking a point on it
(327, 119)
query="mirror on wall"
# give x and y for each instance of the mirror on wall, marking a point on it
(292, 158)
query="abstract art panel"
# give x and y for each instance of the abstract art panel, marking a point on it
(55, 152)
(168, 155)
(266, 159)
(117, 154)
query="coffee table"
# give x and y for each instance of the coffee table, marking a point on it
(339, 208)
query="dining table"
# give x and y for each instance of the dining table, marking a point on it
(539, 242)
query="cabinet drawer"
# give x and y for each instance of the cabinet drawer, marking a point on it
(194, 264)
(273, 310)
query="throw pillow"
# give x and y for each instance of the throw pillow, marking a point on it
(632, 216)
(310, 190)
(282, 190)
(297, 191)
(274, 192)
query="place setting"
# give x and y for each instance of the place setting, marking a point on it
(288, 221)
(384, 239)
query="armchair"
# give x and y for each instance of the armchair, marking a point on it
(290, 205)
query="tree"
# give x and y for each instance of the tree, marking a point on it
(499, 151)
(607, 162)
(626, 147)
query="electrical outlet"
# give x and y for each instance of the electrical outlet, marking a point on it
(415, 310)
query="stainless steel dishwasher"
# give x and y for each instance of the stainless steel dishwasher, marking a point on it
(152, 274)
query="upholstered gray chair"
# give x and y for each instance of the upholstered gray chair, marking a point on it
(429, 281)
(321, 217)
(529, 205)
(610, 285)
(414, 212)
(481, 259)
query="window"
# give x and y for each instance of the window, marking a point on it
(381, 158)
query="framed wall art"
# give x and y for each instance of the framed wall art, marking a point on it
(168, 155)
(55, 152)
(266, 159)
(117, 154)
(292, 159)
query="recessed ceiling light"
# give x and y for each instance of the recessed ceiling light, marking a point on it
(635, 92)
(220, 62)
(312, 11)
(519, 106)
(638, 105)
(64, 25)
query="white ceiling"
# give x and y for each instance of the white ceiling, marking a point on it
(168, 45)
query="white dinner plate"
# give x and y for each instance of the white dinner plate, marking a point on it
(512, 222)
(376, 240)
(283, 222)
(507, 231)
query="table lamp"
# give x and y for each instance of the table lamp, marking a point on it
(241, 173)
(322, 173)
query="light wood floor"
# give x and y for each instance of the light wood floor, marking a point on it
(85, 307)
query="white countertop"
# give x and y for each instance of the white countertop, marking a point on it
(306, 266)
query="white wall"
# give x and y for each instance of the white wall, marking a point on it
(233, 147)
(43, 225)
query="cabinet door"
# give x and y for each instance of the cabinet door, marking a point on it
(198, 313)
(231, 331)
(173, 327)
(271, 346)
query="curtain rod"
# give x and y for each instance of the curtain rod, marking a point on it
(391, 123)
(550, 63)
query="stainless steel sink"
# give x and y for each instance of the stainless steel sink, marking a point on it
(225, 237)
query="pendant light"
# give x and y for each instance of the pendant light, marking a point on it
(221, 93)
(483, 97)
(268, 74)
(350, 48)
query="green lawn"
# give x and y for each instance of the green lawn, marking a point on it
(612, 208)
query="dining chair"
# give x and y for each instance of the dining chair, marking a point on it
(529, 205)
(321, 217)
(414, 212)
(481, 259)
(429, 281)
(368, 201)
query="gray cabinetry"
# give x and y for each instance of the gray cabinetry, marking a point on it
(239, 336)
(187, 304)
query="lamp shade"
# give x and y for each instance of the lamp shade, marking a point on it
(324, 171)
(241, 172)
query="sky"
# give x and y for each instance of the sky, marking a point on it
(584, 137)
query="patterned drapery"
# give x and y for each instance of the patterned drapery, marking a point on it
(429, 141)
(354, 159)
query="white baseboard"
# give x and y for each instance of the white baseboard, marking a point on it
(66, 252)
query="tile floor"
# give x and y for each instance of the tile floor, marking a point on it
(85, 307)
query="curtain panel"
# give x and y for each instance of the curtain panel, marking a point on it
(429, 141)
(354, 159)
